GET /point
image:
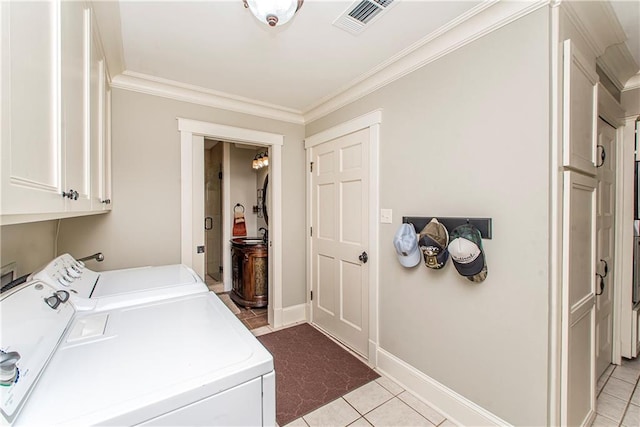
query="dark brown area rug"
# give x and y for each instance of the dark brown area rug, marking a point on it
(311, 370)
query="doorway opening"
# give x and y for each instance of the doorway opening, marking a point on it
(192, 144)
(247, 294)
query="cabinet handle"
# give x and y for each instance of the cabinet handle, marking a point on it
(71, 194)
(603, 156)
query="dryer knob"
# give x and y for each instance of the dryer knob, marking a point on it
(63, 281)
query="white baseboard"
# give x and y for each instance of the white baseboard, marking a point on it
(453, 406)
(294, 314)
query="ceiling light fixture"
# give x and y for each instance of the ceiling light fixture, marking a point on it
(273, 12)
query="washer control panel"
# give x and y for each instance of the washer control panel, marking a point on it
(68, 274)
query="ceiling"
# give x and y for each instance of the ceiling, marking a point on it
(218, 45)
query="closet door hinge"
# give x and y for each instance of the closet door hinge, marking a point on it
(311, 231)
(311, 167)
(311, 295)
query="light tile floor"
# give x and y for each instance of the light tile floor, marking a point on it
(379, 403)
(618, 395)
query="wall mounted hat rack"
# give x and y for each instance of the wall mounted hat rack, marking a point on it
(482, 224)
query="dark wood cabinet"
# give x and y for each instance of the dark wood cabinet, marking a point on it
(250, 281)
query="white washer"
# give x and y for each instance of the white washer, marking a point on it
(91, 290)
(180, 361)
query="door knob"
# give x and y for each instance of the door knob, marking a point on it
(363, 257)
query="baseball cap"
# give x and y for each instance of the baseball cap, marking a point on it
(466, 252)
(433, 242)
(406, 244)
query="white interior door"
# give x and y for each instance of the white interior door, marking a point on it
(578, 299)
(605, 245)
(340, 239)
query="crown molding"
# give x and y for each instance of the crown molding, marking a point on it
(597, 23)
(619, 65)
(483, 19)
(633, 83)
(151, 85)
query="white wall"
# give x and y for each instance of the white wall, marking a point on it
(144, 226)
(468, 136)
(30, 245)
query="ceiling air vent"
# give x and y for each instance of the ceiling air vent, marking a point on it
(361, 14)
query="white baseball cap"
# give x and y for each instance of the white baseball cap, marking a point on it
(406, 244)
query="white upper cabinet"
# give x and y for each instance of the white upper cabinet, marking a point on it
(580, 110)
(31, 148)
(75, 57)
(54, 151)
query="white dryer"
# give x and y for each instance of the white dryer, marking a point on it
(91, 290)
(180, 361)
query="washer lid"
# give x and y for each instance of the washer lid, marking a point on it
(32, 328)
(131, 280)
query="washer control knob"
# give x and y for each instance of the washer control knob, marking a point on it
(73, 273)
(63, 281)
(8, 368)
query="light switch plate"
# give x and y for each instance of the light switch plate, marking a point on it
(386, 216)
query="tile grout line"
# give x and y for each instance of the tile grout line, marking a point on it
(626, 408)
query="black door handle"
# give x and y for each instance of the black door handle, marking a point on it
(602, 284)
(606, 268)
(603, 156)
(363, 257)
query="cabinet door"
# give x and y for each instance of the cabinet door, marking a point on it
(580, 112)
(578, 298)
(74, 34)
(31, 149)
(97, 125)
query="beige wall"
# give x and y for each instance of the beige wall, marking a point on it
(630, 100)
(144, 226)
(30, 245)
(243, 186)
(468, 135)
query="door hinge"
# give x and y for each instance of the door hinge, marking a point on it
(219, 175)
(311, 231)
(220, 269)
(311, 167)
(311, 295)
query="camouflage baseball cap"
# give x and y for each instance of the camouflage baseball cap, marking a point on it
(466, 252)
(433, 242)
